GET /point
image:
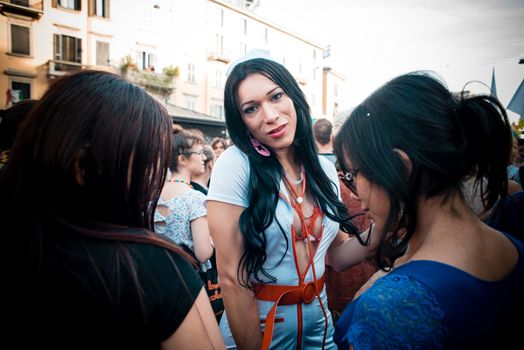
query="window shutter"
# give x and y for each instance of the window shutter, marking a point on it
(102, 53)
(56, 47)
(78, 46)
(139, 60)
(91, 7)
(20, 40)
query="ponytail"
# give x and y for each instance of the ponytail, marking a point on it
(487, 146)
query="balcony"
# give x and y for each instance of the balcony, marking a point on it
(58, 68)
(29, 8)
(153, 82)
(302, 80)
(223, 56)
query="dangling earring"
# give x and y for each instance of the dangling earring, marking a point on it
(261, 149)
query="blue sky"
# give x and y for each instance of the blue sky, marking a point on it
(374, 40)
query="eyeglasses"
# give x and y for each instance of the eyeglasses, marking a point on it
(199, 152)
(348, 179)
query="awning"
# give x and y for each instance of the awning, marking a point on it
(180, 114)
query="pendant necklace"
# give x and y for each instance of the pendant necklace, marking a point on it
(298, 198)
(296, 182)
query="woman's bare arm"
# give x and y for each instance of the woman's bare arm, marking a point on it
(240, 302)
(199, 330)
(201, 239)
(345, 252)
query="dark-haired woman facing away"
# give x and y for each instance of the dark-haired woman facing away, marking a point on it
(274, 214)
(10, 121)
(85, 270)
(452, 282)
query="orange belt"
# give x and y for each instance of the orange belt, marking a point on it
(285, 295)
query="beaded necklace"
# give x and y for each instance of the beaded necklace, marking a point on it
(183, 182)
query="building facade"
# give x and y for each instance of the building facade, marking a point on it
(178, 50)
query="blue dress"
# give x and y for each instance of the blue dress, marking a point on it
(430, 305)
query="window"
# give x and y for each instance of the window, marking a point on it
(335, 109)
(217, 110)
(220, 44)
(147, 21)
(67, 48)
(191, 103)
(245, 25)
(24, 3)
(191, 72)
(20, 90)
(99, 8)
(69, 4)
(218, 79)
(102, 53)
(221, 17)
(146, 60)
(20, 40)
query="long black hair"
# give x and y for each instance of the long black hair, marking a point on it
(448, 137)
(91, 158)
(266, 172)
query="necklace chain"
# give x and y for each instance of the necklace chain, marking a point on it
(296, 182)
(183, 182)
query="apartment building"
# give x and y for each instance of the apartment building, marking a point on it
(178, 50)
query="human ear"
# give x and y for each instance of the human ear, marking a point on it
(405, 159)
(79, 171)
(181, 158)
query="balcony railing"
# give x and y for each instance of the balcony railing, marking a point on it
(28, 8)
(219, 55)
(151, 81)
(57, 68)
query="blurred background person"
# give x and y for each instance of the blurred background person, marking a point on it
(219, 145)
(180, 213)
(200, 182)
(10, 121)
(322, 131)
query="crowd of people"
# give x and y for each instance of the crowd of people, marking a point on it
(400, 228)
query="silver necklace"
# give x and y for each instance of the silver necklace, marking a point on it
(299, 181)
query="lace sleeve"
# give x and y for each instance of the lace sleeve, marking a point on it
(398, 312)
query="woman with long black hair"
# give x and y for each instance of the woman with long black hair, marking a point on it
(274, 214)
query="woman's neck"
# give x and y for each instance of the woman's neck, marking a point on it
(202, 179)
(441, 224)
(287, 159)
(181, 176)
